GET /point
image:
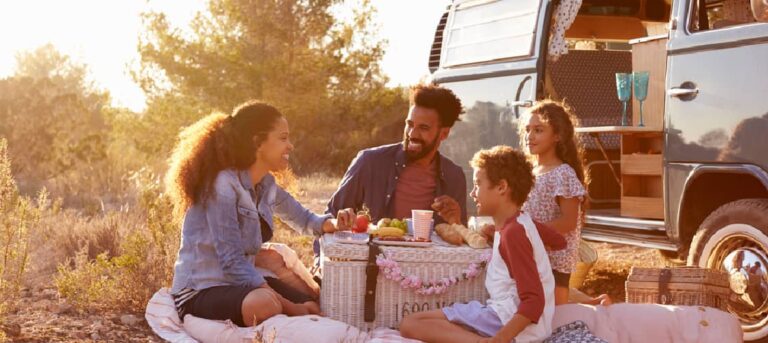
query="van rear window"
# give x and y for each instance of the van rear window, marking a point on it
(480, 31)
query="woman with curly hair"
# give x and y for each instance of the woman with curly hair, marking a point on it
(221, 184)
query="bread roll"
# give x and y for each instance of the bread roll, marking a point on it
(474, 239)
(449, 234)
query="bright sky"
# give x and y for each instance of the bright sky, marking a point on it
(103, 35)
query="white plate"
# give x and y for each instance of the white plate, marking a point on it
(350, 237)
(403, 243)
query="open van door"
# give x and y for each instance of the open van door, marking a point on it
(490, 55)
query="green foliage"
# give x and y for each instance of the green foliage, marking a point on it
(19, 216)
(323, 73)
(55, 125)
(142, 265)
(109, 236)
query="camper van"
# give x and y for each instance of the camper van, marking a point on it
(692, 180)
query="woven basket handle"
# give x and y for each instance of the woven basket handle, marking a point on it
(371, 274)
(665, 276)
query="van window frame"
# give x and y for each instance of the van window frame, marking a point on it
(467, 4)
(693, 5)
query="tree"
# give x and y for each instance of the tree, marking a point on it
(322, 73)
(53, 120)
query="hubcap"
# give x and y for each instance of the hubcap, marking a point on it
(746, 262)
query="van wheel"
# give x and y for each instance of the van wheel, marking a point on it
(734, 238)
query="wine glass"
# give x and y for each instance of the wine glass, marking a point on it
(624, 90)
(640, 84)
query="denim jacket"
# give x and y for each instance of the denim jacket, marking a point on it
(220, 238)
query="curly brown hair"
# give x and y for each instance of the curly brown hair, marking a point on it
(505, 163)
(440, 99)
(212, 144)
(569, 149)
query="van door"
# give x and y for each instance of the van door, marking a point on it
(716, 85)
(490, 57)
(717, 113)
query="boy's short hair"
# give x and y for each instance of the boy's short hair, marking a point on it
(440, 99)
(505, 163)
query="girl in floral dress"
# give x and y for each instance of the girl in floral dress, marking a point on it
(559, 194)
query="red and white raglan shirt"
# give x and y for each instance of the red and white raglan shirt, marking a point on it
(519, 277)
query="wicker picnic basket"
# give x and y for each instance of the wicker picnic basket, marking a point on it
(344, 282)
(678, 286)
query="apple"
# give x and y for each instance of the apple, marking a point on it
(361, 223)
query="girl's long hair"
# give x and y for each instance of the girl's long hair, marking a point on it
(569, 149)
(212, 144)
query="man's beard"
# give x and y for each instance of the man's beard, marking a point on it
(426, 148)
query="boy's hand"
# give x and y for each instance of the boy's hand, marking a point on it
(447, 208)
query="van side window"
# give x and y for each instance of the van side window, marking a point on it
(717, 14)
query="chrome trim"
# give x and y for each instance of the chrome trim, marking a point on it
(627, 240)
(678, 92)
(522, 103)
(626, 223)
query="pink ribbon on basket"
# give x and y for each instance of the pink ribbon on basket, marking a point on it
(391, 270)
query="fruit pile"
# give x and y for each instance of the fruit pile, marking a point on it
(387, 227)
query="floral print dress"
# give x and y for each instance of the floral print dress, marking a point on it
(542, 206)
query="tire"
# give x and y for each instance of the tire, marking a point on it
(737, 234)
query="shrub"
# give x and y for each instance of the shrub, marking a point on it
(19, 217)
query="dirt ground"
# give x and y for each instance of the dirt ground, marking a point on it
(42, 316)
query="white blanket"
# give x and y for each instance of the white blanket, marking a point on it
(162, 317)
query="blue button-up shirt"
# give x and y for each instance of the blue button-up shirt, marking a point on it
(220, 237)
(372, 178)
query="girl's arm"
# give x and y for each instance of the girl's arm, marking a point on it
(569, 208)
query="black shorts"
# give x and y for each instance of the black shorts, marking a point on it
(226, 302)
(562, 279)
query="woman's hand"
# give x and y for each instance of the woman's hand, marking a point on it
(329, 225)
(344, 220)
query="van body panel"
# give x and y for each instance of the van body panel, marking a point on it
(489, 92)
(727, 121)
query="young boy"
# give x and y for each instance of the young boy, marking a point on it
(519, 277)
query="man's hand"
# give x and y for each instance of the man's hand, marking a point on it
(447, 208)
(345, 219)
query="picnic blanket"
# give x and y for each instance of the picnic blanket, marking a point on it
(618, 323)
(162, 317)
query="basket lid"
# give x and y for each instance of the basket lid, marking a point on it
(681, 275)
(433, 254)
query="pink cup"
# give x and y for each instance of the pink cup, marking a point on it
(422, 223)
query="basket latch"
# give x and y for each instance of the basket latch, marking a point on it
(665, 297)
(371, 274)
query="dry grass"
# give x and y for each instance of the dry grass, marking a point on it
(612, 268)
(114, 261)
(313, 191)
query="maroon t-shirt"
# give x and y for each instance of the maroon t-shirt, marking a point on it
(517, 252)
(415, 189)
